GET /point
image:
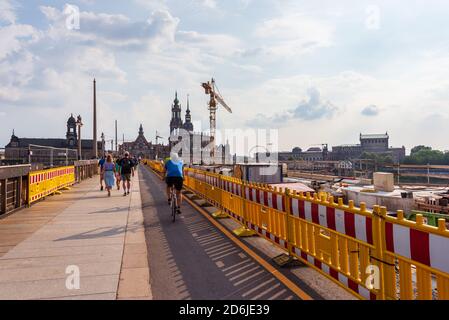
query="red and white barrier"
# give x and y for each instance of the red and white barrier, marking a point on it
(268, 235)
(353, 225)
(340, 277)
(424, 247)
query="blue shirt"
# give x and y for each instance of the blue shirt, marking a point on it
(174, 169)
(101, 163)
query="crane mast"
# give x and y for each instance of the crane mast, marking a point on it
(215, 99)
(213, 118)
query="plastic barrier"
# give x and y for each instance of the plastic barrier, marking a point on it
(45, 182)
(370, 254)
(418, 259)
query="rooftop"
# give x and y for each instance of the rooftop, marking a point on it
(374, 136)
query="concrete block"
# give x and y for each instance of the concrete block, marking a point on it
(383, 181)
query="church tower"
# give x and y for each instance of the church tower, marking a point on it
(141, 133)
(71, 135)
(176, 120)
(188, 125)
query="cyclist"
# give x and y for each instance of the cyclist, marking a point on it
(174, 176)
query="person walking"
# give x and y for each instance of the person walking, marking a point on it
(118, 173)
(101, 165)
(127, 167)
(109, 174)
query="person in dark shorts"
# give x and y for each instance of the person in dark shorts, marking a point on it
(101, 165)
(127, 170)
(174, 176)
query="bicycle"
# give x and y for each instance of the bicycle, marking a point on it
(173, 203)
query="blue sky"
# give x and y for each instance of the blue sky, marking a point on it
(319, 71)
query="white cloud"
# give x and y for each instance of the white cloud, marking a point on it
(114, 30)
(208, 3)
(218, 44)
(294, 34)
(14, 37)
(7, 12)
(370, 111)
(153, 4)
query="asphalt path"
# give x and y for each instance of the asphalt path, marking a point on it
(192, 260)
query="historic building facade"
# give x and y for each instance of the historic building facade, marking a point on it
(144, 149)
(198, 142)
(369, 143)
(18, 149)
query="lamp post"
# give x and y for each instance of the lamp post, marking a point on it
(79, 124)
(103, 144)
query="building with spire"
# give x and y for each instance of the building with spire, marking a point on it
(188, 125)
(144, 149)
(176, 119)
(17, 150)
(199, 141)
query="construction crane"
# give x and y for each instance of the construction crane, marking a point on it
(215, 96)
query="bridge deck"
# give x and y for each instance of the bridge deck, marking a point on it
(128, 248)
(83, 228)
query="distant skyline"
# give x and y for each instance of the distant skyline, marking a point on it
(320, 72)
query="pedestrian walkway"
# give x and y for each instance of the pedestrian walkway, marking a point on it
(45, 246)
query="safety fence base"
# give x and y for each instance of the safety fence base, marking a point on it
(220, 215)
(244, 232)
(285, 261)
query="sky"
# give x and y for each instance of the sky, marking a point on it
(316, 71)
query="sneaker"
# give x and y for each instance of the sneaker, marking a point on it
(124, 194)
(128, 192)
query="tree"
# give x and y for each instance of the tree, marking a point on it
(379, 158)
(422, 155)
(419, 148)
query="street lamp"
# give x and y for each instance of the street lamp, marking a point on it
(79, 124)
(103, 144)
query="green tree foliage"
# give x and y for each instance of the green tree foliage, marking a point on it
(423, 155)
(378, 158)
(419, 148)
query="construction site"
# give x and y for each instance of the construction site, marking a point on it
(413, 189)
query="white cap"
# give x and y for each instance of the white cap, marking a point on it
(174, 157)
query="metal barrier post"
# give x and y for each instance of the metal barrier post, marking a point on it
(244, 231)
(378, 254)
(3, 194)
(289, 222)
(19, 192)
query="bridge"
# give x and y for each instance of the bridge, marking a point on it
(63, 238)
